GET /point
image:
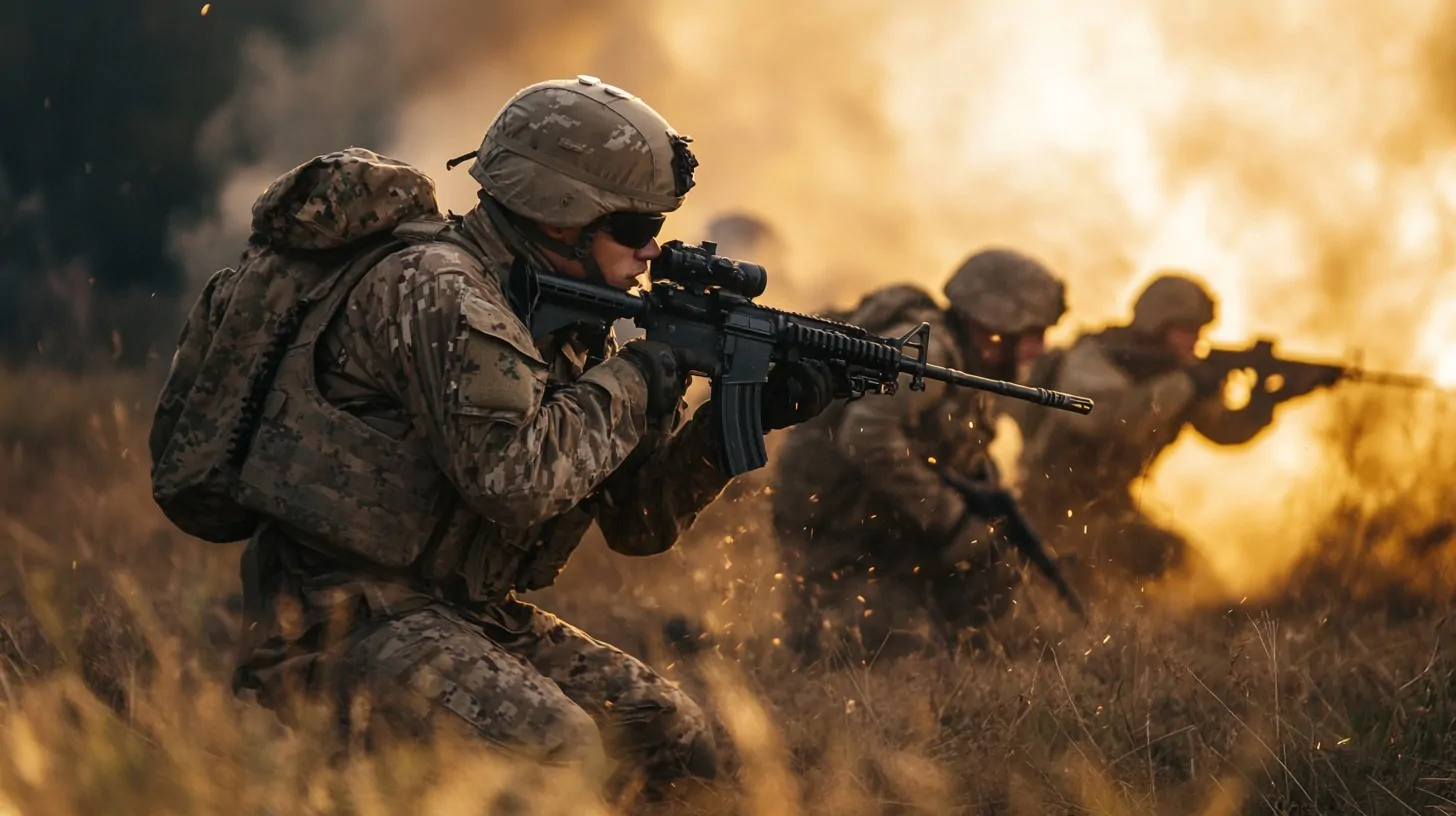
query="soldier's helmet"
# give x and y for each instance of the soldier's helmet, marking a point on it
(568, 151)
(1007, 292)
(1173, 298)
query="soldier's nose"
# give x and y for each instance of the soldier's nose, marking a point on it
(649, 252)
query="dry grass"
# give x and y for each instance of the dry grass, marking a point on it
(116, 635)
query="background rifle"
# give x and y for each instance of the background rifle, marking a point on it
(705, 302)
(1261, 358)
(1001, 509)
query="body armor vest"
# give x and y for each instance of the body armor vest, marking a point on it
(338, 485)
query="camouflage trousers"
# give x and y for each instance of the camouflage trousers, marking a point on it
(535, 686)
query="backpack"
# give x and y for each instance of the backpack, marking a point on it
(323, 224)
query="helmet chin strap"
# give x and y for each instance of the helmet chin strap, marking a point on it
(579, 250)
(533, 239)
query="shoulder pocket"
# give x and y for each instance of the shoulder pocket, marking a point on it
(502, 375)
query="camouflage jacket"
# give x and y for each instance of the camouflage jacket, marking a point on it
(1074, 460)
(869, 469)
(522, 447)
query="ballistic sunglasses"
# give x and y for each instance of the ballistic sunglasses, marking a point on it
(633, 230)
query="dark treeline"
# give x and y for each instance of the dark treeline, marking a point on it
(101, 105)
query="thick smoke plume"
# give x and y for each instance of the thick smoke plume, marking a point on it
(1297, 155)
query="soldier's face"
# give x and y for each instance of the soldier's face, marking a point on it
(1009, 355)
(1011, 348)
(620, 265)
(1030, 345)
(1183, 340)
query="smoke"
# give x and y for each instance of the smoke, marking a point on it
(370, 81)
(1299, 156)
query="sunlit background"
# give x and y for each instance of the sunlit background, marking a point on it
(1296, 155)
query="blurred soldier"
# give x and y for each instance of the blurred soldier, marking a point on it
(749, 237)
(446, 458)
(1148, 384)
(883, 555)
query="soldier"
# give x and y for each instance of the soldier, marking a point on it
(883, 555)
(447, 459)
(1148, 385)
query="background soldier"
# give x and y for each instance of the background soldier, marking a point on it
(1148, 384)
(447, 459)
(882, 551)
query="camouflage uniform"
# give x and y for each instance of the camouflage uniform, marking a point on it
(863, 515)
(421, 457)
(1144, 398)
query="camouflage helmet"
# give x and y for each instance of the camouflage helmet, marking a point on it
(567, 151)
(1006, 292)
(1172, 298)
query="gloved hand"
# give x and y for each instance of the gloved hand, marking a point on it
(668, 370)
(796, 392)
(1207, 378)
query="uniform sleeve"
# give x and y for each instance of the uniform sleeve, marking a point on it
(1125, 410)
(874, 435)
(476, 388)
(647, 505)
(1224, 427)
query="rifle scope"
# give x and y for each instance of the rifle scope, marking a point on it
(699, 266)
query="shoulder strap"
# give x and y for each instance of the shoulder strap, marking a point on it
(285, 331)
(445, 232)
(517, 280)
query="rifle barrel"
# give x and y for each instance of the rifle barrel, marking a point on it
(1391, 379)
(1039, 396)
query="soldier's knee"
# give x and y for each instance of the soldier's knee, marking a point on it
(664, 732)
(701, 759)
(572, 738)
(688, 745)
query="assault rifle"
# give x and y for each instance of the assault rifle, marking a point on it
(1279, 375)
(705, 301)
(1002, 510)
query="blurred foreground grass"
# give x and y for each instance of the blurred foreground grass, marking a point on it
(116, 638)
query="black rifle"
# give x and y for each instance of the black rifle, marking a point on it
(1280, 377)
(1003, 511)
(705, 301)
(1260, 357)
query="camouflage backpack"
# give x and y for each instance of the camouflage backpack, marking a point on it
(323, 224)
